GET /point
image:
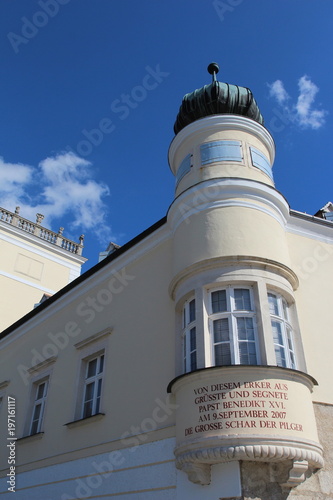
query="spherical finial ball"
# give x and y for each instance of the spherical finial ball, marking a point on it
(213, 68)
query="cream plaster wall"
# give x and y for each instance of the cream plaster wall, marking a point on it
(229, 231)
(29, 269)
(312, 261)
(141, 319)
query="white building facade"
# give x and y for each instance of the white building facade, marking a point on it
(194, 361)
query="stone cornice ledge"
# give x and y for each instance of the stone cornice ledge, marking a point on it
(247, 261)
(197, 463)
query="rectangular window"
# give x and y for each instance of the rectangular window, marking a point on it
(282, 331)
(189, 336)
(93, 386)
(233, 327)
(38, 410)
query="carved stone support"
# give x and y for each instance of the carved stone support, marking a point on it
(296, 474)
(197, 473)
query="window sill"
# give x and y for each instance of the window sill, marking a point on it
(84, 421)
(31, 437)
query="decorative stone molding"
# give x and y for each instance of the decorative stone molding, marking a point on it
(228, 192)
(246, 261)
(296, 474)
(264, 453)
(197, 473)
(197, 464)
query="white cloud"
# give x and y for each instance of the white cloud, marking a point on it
(277, 90)
(303, 112)
(313, 118)
(61, 186)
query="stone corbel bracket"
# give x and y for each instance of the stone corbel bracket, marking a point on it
(197, 473)
(296, 474)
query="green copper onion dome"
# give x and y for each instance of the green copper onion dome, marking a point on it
(217, 99)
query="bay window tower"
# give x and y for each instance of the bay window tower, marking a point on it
(238, 342)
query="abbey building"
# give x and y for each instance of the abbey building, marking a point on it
(194, 362)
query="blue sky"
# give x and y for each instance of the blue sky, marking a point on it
(90, 91)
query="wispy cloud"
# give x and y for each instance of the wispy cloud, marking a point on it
(277, 90)
(60, 186)
(303, 112)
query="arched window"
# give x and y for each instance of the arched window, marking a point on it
(232, 327)
(282, 331)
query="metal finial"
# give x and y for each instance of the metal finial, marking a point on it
(213, 69)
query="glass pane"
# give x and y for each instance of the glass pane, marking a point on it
(98, 401)
(221, 330)
(247, 353)
(101, 364)
(193, 339)
(37, 411)
(245, 328)
(40, 391)
(219, 301)
(222, 354)
(277, 332)
(89, 391)
(290, 344)
(193, 360)
(87, 409)
(92, 366)
(34, 427)
(192, 311)
(285, 309)
(99, 388)
(280, 356)
(242, 299)
(273, 304)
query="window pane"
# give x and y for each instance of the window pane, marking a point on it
(192, 311)
(101, 364)
(277, 332)
(37, 411)
(99, 388)
(34, 427)
(193, 360)
(280, 356)
(273, 304)
(193, 339)
(247, 353)
(89, 391)
(245, 328)
(219, 301)
(242, 299)
(290, 344)
(221, 330)
(87, 409)
(98, 401)
(222, 354)
(285, 309)
(92, 366)
(40, 391)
